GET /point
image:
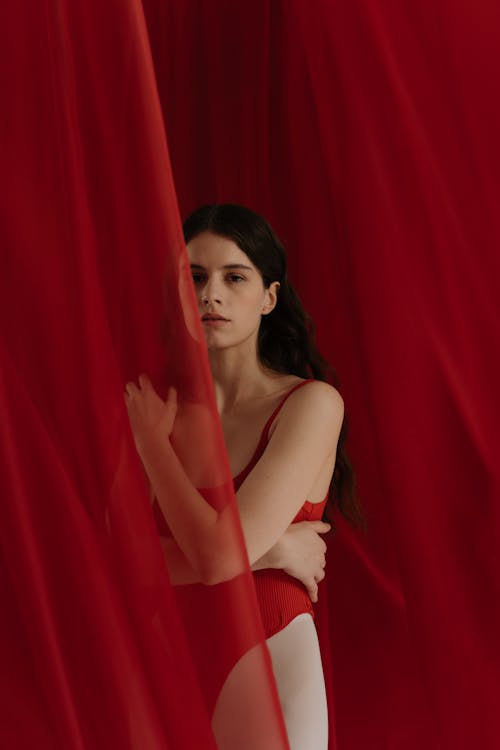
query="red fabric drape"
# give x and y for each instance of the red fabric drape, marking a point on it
(368, 134)
(97, 649)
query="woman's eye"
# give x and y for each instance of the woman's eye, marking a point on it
(235, 277)
(198, 278)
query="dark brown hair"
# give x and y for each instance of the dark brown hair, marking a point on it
(286, 336)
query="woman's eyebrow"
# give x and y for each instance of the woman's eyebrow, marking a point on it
(237, 265)
(226, 267)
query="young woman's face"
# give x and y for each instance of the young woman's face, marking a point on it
(229, 289)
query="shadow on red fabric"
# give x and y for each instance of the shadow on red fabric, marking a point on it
(97, 650)
(367, 133)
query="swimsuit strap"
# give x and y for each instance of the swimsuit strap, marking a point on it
(264, 436)
(265, 432)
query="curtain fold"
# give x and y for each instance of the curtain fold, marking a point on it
(367, 134)
(99, 649)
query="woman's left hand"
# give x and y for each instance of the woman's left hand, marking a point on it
(150, 417)
(300, 552)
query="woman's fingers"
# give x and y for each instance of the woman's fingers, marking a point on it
(171, 402)
(151, 418)
(312, 585)
(131, 390)
(144, 381)
(312, 589)
(320, 527)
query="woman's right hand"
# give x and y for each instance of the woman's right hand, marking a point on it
(150, 416)
(300, 552)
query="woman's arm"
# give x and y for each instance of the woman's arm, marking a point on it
(300, 552)
(305, 437)
(179, 569)
(301, 449)
(205, 536)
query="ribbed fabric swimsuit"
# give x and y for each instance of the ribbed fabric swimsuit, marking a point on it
(281, 597)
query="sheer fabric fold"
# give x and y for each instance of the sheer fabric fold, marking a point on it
(367, 133)
(99, 649)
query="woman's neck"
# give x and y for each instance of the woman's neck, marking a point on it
(238, 377)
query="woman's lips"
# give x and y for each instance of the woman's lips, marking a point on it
(214, 321)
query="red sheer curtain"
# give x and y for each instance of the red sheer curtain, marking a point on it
(368, 134)
(97, 649)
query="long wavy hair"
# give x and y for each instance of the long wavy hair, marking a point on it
(286, 341)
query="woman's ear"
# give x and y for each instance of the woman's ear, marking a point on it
(271, 297)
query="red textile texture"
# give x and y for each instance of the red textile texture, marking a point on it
(95, 651)
(368, 134)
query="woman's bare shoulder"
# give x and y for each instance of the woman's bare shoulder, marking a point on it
(315, 402)
(318, 394)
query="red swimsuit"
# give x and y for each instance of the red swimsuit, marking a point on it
(219, 643)
(281, 597)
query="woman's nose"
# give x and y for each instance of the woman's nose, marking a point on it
(211, 293)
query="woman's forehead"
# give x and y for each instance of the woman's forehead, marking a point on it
(213, 250)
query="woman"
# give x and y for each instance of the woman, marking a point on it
(281, 425)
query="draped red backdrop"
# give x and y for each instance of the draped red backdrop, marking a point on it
(368, 134)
